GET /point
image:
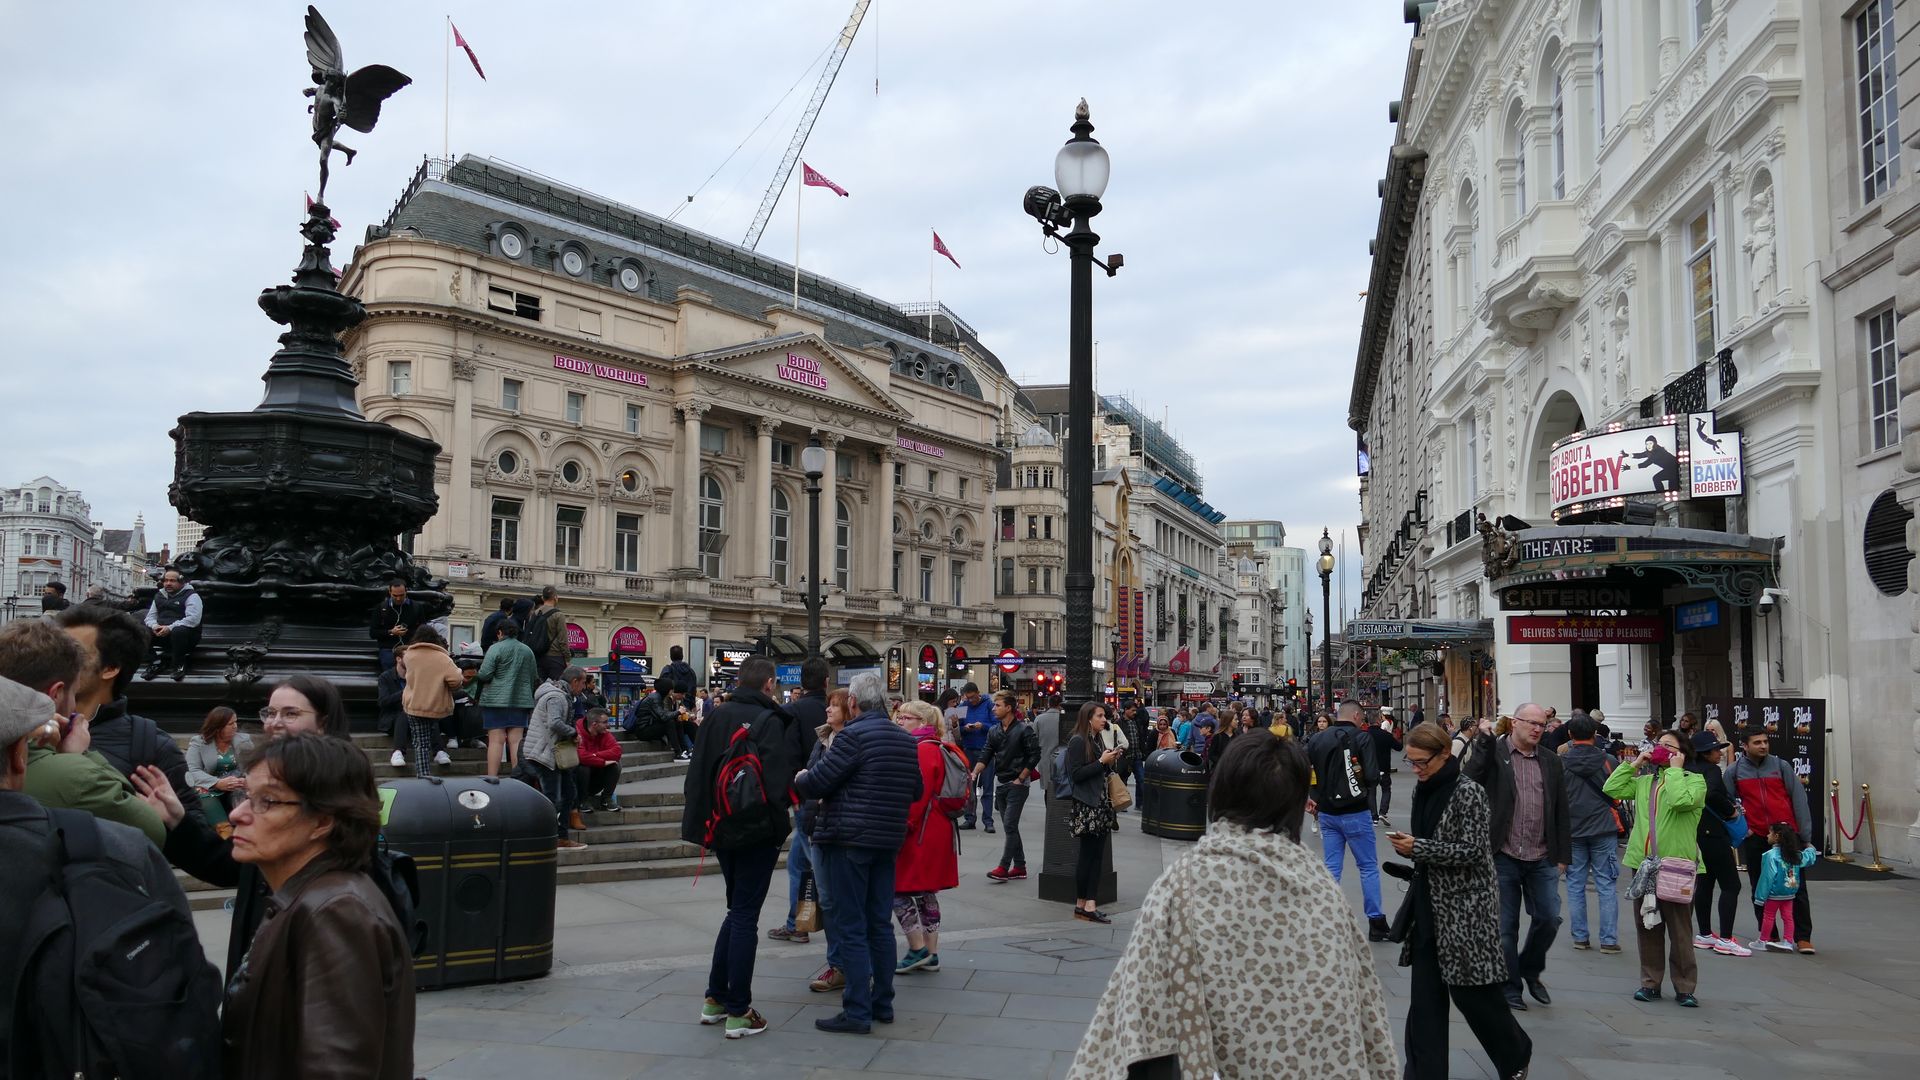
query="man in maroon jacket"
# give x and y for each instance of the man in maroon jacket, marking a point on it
(1771, 793)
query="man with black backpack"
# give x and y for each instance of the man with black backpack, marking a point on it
(678, 673)
(1345, 770)
(101, 970)
(737, 795)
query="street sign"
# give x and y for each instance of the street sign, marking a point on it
(1008, 661)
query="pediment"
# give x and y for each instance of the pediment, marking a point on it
(802, 364)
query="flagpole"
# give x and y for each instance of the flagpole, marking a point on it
(799, 197)
(446, 91)
(930, 299)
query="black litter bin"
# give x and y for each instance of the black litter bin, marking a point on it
(1173, 797)
(484, 847)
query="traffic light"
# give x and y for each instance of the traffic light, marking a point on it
(1236, 682)
(1049, 682)
(957, 662)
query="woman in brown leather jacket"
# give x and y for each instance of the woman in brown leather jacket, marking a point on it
(327, 985)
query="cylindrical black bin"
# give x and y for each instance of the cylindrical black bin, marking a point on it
(1173, 797)
(484, 847)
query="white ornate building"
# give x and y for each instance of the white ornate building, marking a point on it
(47, 534)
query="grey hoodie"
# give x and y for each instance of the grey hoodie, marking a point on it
(1588, 813)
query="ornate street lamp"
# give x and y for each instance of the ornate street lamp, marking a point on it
(946, 676)
(813, 462)
(1080, 172)
(1326, 614)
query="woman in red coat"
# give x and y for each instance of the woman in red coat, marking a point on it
(929, 859)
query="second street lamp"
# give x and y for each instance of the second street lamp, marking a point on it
(813, 462)
(1326, 613)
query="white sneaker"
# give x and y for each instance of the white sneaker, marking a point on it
(1703, 941)
(1780, 946)
(1730, 947)
(441, 758)
(398, 760)
(452, 744)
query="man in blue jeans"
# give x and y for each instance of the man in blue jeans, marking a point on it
(1345, 771)
(972, 733)
(1532, 845)
(1596, 836)
(866, 783)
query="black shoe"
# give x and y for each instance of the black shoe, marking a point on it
(179, 673)
(1539, 991)
(153, 671)
(1378, 930)
(838, 1024)
(1095, 916)
(988, 826)
(964, 825)
(1514, 1003)
(883, 1018)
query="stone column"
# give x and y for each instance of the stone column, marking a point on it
(882, 514)
(760, 528)
(1672, 23)
(460, 492)
(688, 496)
(829, 494)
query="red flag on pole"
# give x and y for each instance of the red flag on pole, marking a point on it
(942, 249)
(331, 220)
(813, 179)
(468, 49)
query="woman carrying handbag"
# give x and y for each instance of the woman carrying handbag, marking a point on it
(1664, 854)
(1090, 815)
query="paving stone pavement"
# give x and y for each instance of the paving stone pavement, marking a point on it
(1019, 979)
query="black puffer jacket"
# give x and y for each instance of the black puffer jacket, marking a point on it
(866, 783)
(776, 741)
(129, 741)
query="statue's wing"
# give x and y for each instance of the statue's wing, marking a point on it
(366, 90)
(323, 49)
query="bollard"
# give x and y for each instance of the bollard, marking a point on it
(1873, 834)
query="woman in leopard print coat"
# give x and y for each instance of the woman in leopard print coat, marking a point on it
(1448, 924)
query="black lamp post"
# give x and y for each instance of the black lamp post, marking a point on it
(1080, 170)
(813, 461)
(946, 672)
(1326, 615)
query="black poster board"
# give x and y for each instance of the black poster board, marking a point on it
(1797, 728)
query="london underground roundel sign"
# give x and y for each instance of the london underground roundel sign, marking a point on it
(1009, 660)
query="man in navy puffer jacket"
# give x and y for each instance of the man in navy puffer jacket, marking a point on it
(866, 782)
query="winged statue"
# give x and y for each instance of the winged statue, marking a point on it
(339, 98)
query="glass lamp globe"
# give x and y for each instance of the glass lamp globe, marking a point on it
(1080, 169)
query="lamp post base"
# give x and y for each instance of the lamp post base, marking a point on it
(1059, 888)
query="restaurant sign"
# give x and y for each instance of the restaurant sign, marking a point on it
(1585, 629)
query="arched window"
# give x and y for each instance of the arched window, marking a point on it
(1517, 157)
(1559, 142)
(842, 545)
(713, 518)
(781, 529)
(1599, 78)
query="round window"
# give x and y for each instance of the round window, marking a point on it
(573, 262)
(508, 462)
(898, 525)
(511, 245)
(570, 472)
(959, 537)
(1885, 544)
(630, 278)
(629, 481)
(926, 530)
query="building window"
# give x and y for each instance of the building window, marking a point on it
(503, 534)
(519, 305)
(571, 472)
(633, 419)
(843, 466)
(508, 463)
(783, 453)
(1033, 580)
(1702, 17)
(1599, 78)
(1046, 634)
(926, 578)
(1883, 408)
(576, 407)
(780, 529)
(399, 377)
(933, 480)
(842, 545)
(713, 439)
(959, 573)
(626, 543)
(1559, 143)
(1878, 99)
(1046, 527)
(510, 394)
(1006, 577)
(899, 474)
(713, 518)
(1700, 282)
(1033, 526)
(1046, 580)
(1472, 463)
(567, 521)
(1033, 477)
(896, 572)
(1046, 478)
(1006, 524)
(962, 488)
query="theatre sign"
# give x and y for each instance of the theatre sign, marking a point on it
(1665, 460)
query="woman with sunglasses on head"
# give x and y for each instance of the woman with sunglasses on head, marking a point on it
(1448, 926)
(326, 987)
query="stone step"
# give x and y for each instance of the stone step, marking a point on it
(627, 851)
(637, 767)
(599, 832)
(640, 870)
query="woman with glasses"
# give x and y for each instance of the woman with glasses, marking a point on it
(1448, 924)
(327, 983)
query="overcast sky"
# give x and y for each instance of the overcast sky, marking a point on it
(157, 160)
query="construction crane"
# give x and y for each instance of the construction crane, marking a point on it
(799, 143)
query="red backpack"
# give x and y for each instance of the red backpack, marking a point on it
(740, 784)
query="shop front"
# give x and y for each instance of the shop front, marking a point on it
(1459, 646)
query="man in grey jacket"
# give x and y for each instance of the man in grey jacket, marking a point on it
(1596, 835)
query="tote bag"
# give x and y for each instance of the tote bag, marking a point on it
(1673, 877)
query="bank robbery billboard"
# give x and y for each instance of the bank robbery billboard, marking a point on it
(1600, 467)
(1715, 466)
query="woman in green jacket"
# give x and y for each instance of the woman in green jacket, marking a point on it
(1667, 798)
(507, 679)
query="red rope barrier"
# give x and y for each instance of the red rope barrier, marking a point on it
(1857, 820)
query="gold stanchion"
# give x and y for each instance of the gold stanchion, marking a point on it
(1873, 834)
(1835, 838)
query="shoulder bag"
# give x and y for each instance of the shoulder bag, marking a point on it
(1670, 879)
(1622, 812)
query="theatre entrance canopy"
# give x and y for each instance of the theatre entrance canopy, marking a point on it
(1623, 567)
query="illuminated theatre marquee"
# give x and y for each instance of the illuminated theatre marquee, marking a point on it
(1684, 456)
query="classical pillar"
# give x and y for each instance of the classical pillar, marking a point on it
(882, 560)
(760, 505)
(829, 507)
(1671, 21)
(688, 496)
(460, 494)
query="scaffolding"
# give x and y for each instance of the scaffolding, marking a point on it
(1154, 441)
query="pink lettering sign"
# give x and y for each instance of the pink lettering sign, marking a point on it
(595, 370)
(919, 447)
(629, 641)
(804, 370)
(576, 638)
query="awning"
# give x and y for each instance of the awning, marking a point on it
(851, 652)
(1419, 633)
(1623, 567)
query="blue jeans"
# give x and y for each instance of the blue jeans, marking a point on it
(979, 791)
(1354, 831)
(860, 925)
(799, 861)
(748, 872)
(1536, 886)
(1601, 855)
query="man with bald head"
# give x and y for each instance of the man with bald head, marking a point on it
(1532, 844)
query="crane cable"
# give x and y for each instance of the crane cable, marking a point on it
(756, 128)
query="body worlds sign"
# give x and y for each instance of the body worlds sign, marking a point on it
(1614, 464)
(598, 370)
(804, 370)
